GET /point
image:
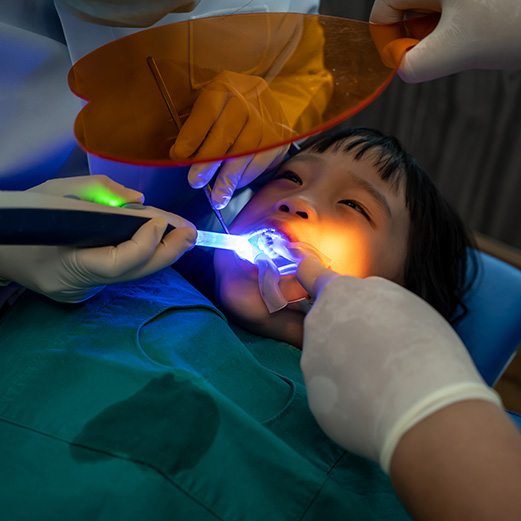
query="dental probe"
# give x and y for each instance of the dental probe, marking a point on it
(170, 105)
(208, 193)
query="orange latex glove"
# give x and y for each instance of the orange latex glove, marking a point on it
(234, 112)
(237, 111)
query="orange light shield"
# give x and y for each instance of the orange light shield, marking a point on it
(213, 88)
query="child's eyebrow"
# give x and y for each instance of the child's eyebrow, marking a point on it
(372, 191)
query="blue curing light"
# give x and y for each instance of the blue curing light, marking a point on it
(267, 241)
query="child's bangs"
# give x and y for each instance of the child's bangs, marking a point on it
(385, 152)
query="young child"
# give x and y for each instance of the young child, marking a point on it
(363, 202)
(143, 402)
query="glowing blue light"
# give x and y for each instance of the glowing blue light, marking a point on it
(224, 241)
(266, 241)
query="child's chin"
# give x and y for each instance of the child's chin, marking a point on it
(243, 304)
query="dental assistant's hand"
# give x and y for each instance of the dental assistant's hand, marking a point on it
(377, 360)
(233, 113)
(471, 34)
(69, 274)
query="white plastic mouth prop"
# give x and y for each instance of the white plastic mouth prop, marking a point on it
(266, 241)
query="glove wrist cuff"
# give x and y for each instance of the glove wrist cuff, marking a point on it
(429, 405)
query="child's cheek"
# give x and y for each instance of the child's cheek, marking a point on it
(350, 252)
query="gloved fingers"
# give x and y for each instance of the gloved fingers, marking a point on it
(200, 174)
(220, 138)
(95, 188)
(261, 162)
(313, 276)
(110, 263)
(228, 179)
(171, 218)
(74, 295)
(104, 190)
(230, 174)
(278, 158)
(429, 59)
(225, 130)
(251, 135)
(237, 172)
(391, 11)
(169, 249)
(207, 108)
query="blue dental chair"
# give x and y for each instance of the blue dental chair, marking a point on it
(492, 328)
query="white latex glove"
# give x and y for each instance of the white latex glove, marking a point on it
(94, 188)
(75, 274)
(233, 173)
(377, 359)
(471, 34)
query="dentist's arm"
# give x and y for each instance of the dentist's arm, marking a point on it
(461, 462)
(71, 274)
(471, 34)
(389, 379)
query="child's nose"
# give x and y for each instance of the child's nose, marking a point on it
(298, 207)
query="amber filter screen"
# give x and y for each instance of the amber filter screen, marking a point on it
(226, 86)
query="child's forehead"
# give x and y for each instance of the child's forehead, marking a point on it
(373, 162)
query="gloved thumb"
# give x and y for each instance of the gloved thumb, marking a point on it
(169, 249)
(438, 54)
(112, 262)
(313, 276)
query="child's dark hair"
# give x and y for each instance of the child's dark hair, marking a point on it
(441, 264)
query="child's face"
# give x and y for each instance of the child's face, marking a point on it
(338, 205)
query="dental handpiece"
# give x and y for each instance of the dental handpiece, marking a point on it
(39, 219)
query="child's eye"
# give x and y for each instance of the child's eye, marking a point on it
(288, 174)
(356, 206)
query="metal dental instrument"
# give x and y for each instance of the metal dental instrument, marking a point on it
(208, 193)
(178, 123)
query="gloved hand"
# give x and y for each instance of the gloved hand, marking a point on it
(94, 188)
(233, 113)
(377, 359)
(471, 34)
(74, 274)
(129, 13)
